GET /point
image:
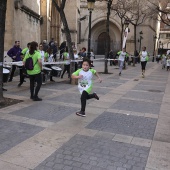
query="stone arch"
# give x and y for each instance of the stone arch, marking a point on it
(99, 28)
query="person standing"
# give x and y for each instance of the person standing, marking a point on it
(121, 59)
(15, 54)
(45, 45)
(35, 74)
(163, 60)
(168, 63)
(66, 58)
(75, 58)
(84, 76)
(144, 57)
(55, 50)
(62, 49)
(49, 58)
(23, 53)
(111, 57)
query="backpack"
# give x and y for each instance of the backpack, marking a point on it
(29, 64)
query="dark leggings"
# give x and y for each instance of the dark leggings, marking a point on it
(66, 68)
(20, 71)
(143, 65)
(85, 96)
(38, 79)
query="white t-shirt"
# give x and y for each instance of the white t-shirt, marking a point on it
(76, 57)
(50, 58)
(42, 53)
(66, 58)
(168, 62)
(85, 83)
(144, 54)
(122, 55)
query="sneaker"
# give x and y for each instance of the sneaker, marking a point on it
(4, 89)
(43, 83)
(96, 96)
(81, 113)
(32, 97)
(19, 84)
(37, 99)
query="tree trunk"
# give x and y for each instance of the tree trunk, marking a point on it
(109, 3)
(122, 31)
(134, 45)
(69, 41)
(2, 33)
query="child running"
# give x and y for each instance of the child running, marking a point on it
(168, 63)
(85, 75)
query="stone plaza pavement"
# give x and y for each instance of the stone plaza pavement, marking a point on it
(127, 129)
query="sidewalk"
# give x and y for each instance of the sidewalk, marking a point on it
(127, 129)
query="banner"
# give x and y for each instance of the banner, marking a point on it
(125, 37)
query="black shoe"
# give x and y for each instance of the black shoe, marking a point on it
(24, 81)
(9, 80)
(19, 84)
(4, 89)
(37, 99)
(32, 97)
(52, 80)
(96, 96)
(120, 74)
(61, 77)
(81, 113)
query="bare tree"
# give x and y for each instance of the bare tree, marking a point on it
(136, 15)
(109, 4)
(121, 8)
(2, 33)
(160, 10)
(60, 5)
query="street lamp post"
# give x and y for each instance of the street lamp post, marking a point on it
(161, 44)
(154, 43)
(126, 24)
(90, 5)
(140, 40)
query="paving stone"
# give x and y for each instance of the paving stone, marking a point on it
(156, 97)
(64, 85)
(152, 83)
(101, 160)
(136, 106)
(108, 84)
(125, 124)
(12, 133)
(75, 98)
(159, 89)
(26, 93)
(44, 111)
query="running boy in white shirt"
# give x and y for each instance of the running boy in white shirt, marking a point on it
(122, 56)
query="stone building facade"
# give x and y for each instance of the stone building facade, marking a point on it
(98, 35)
(33, 20)
(38, 20)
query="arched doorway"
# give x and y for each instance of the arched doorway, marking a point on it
(101, 43)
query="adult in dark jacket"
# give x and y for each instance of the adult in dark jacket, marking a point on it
(15, 54)
(62, 48)
(55, 50)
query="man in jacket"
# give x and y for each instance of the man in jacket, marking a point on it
(15, 54)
